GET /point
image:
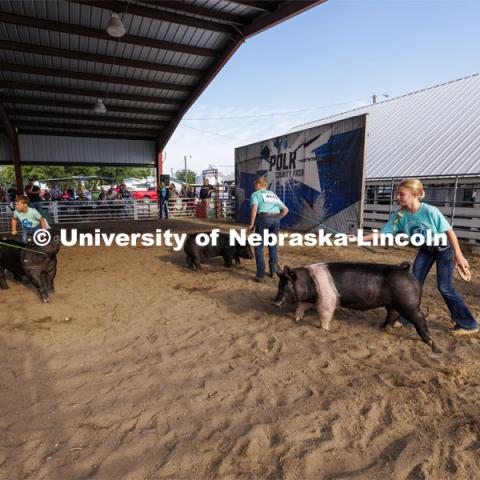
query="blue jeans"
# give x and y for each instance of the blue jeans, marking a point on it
(272, 225)
(26, 231)
(444, 257)
(164, 207)
(37, 206)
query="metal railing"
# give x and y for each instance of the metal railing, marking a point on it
(63, 212)
(182, 207)
(457, 197)
(6, 212)
(99, 211)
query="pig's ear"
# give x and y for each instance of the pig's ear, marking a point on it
(289, 273)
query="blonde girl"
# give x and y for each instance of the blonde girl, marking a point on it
(416, 216)
(267, 211)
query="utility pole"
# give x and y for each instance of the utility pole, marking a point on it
(375, 97)
(185, 160)
(12, 135)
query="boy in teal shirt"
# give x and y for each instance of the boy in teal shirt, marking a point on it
(30, 218)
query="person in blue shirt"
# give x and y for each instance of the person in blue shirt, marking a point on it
(30, 218)
(416, 216)
(267, 211)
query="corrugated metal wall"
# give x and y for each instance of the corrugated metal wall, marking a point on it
(49, 150)
(435, 131)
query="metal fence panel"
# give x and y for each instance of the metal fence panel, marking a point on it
(65, 212)
(458, 198)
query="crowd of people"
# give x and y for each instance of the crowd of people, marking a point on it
(170, 199)
(36, 195)
(119, 192)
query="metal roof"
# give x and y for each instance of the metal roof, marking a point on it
(435, 131)
(56, 60)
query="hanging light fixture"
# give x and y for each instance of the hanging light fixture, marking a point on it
(115, 27)
(100, 107)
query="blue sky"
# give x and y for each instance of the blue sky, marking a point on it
(327, 60)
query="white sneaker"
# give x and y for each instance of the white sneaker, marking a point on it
(459, 331)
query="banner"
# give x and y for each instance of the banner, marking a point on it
(317, 173)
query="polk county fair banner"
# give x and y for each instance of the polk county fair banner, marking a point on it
(317, 173)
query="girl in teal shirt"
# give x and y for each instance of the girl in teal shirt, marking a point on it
(415, 216)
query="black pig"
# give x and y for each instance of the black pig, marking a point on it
(360, 286)
(40, 268)
(222, 249)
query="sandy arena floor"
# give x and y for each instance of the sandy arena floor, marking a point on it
(141, 369)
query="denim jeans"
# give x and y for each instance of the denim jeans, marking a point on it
(26, 231)
(272, 225)
(37, 206)
(444, 257)
(163, 207)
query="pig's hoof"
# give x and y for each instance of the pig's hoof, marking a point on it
(435, 349)
(44, 299)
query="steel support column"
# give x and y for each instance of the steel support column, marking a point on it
(13, 138)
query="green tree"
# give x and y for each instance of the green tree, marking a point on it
(7, 173)
(189, 177)
(120, 173)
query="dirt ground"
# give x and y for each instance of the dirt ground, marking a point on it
(141, 369)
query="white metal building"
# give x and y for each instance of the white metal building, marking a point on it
(435, 131)
(432, 134)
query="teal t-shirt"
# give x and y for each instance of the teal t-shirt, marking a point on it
(267, 201)
(29, 219)
(427, 217)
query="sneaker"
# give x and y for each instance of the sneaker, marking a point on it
(259, 279)
(399, 324)
(458, 330)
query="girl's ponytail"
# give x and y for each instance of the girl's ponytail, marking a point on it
(399, 215)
